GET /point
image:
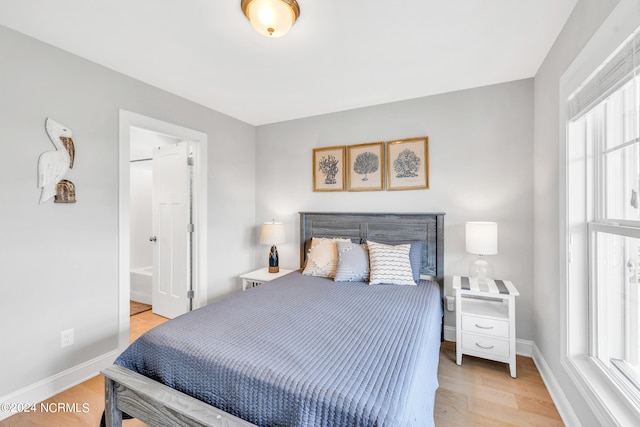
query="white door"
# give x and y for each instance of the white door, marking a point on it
(171, 230)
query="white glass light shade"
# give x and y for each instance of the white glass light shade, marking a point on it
(271, 18)
(272, 233)
(481, 238)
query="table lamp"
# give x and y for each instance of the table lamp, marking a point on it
(481, 239)
(273, 234)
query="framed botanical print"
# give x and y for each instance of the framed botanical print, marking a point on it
(408, 164)
(365, 167)
(329, 169)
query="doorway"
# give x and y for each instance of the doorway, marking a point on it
(142, 143)
(137, 135)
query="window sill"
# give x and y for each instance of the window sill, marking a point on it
(608, 402)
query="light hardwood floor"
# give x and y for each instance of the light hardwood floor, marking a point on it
(482, 393)
(478, 393)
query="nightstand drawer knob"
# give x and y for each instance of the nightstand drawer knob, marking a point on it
(483, 347)
(484, 327)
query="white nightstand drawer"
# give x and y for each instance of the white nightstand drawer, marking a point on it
(483, 325)
(491, 346)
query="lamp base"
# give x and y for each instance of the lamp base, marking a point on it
(273, 260)
(481, 270)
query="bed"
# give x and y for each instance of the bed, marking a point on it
(299, 350)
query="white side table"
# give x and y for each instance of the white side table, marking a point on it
(258, 277)
(486, 320)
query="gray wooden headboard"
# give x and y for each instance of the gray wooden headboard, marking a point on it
(426, 227)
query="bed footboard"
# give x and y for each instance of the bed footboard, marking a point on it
(156, 404)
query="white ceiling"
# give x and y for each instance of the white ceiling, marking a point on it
(340, 54)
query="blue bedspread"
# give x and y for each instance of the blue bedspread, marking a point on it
(305, 351)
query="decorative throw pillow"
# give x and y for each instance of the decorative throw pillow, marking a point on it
(322, 257)
(390, 264)
(415, 254)
(353, 262)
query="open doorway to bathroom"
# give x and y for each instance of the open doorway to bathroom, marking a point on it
(141, 138)
(142, 237)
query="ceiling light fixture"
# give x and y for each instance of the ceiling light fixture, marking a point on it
(271, 18)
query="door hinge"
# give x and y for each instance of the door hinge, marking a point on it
(190, 294)
(190, 228)
(189, 161)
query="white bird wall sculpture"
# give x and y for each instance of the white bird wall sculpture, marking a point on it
(53, 165)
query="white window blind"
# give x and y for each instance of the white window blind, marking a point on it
(617, 70)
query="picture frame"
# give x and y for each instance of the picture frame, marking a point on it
(329, 168)
(408, 164)
(365, 167)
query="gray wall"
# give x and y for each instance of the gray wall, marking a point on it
(59, 263)
(480, 149)
(584, 21)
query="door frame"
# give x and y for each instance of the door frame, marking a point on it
(128, 119)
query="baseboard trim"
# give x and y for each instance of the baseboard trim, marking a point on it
(44, 389)
(140, 297)
(450, 333)
(523, 347)
(565, 409)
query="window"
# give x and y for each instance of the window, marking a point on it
(603, 166)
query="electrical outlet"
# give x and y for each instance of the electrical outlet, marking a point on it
(451, 303)
(66, 338)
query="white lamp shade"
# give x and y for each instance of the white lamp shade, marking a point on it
(481, 238)
(271, 18)
(272, 233)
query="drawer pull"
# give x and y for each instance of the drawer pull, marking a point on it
(484, 327)
(483, 347)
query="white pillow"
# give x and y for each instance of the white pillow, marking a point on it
(390, 264)
(322, 257)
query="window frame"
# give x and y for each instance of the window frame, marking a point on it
(602, 396)
(592, 139)
(603, 384)
(625, 377)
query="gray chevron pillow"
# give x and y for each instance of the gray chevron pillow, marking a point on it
(415, 254)
(390, 264)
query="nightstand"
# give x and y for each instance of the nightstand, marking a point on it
(486, 320)
(258, 277)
